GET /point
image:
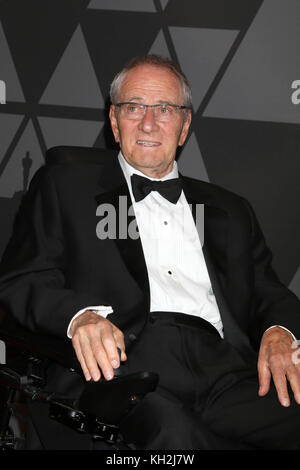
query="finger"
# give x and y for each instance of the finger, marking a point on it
(293, 376)
(89, 358)
(111, 344)
(264, 377)
(102, 358)
(119, 338)
(81, 360)
(280, 383)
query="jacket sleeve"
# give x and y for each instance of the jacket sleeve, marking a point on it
(32, 279)
(274, 303)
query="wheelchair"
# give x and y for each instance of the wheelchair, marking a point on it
(101, 405)
(98, 410)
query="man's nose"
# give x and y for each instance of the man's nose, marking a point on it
(148, 122)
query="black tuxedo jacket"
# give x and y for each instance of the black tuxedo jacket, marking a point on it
(55, 264)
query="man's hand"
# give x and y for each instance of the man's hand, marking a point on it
(275, 360)
(95, 340)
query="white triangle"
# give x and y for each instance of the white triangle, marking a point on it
(8, 72)
(74, 82)
(9, 124)
(295, 284)
(69, 131)
(209, 48)
(123, 5)
(190, 162)
(159, 46)
(11, 179)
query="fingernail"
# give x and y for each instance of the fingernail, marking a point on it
(298, 399)
(108, 375)
(95, 377)
(114, 363)
(286, 402)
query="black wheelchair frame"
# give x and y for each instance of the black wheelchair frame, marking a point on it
(97, 411)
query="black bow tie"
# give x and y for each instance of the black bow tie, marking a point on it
(169, 189)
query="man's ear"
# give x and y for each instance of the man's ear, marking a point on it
(185, 128)
(114, 123)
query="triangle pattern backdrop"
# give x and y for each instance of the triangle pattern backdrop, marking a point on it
(70, 131)
(272, 52)
(74, 82)
(58, 57)
(12, 179)
(128, 5)
(210, 47)
(8, 71)
(9, 124)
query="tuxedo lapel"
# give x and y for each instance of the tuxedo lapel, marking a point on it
(115, 192)
(216, 251)
(214, 234)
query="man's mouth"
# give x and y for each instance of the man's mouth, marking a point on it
(147, 143)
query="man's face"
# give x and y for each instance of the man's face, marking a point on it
(147, 144)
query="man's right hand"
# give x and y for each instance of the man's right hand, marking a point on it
(95, 340)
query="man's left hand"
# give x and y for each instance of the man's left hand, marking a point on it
(275, 361)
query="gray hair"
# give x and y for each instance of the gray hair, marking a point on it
(158, 61)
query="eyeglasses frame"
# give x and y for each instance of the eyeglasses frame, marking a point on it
(153, 106)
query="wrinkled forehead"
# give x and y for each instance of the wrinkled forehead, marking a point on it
(151, 80)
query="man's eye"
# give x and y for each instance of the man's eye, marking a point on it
(132, 108)
(165, 110)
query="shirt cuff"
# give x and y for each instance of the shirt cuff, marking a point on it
(273, 326)
(102, 310)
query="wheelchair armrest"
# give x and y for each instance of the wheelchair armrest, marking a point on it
(112, 399)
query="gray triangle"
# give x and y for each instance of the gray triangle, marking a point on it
(12, 178)
(164, 3)
(69, 131)
(295, 284)
(210, 47)
(160, 46)
(9, 124)
(8, 72)
(74, 82)
(123, 5)
(257, 83)
(191, 162)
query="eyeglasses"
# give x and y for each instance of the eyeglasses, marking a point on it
(162, 112)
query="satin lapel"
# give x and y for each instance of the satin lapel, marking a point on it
(117, 194)
(212, 227)
(232, 330)
(215, 251)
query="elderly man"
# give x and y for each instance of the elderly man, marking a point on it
(203, 316)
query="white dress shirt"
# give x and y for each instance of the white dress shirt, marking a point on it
(178, 276)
